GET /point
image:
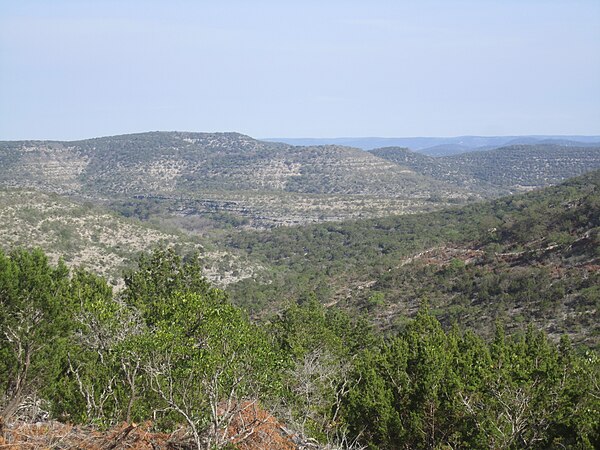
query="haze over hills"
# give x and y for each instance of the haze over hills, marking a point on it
(440, 146)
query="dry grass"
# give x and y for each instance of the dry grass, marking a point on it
(252, 428)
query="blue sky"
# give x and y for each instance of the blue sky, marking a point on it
(76, 69)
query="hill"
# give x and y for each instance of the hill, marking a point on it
(443, 146)
(205, 174)
(169, 362)
(358, 339)
(527, 258)
(94, 238)
(205, 181)
(514, 168)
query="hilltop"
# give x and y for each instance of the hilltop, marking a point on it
(184, 163)
(203, 181)
(445, 146)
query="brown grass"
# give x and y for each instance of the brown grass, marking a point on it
(252, 428)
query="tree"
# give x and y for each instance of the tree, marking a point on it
(34, 323)
(158, 275)
(102, 374)
(207, 363)
(319, 345)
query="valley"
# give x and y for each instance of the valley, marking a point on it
(413, 264)
(373, 232)
(316, 288)
(531, 258)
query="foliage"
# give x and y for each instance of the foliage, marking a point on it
(427, 388)
(34, 321)
(172, 348)
(513, 166)
(158, 276)
(532, 255)
(318, 345)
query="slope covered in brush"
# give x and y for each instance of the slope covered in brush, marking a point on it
(531, 257)
(172, 353)
(206, 173)
(511, 168)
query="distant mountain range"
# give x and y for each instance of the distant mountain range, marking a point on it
(440, 146)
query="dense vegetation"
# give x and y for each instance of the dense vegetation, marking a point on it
(172, 348)
(532, 257)
(470, 327)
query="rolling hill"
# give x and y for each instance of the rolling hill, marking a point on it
(206, 173)
(530, 258)
(206, 181)
(94, 238)
(514, 168)
(187, 163)
(444, 146)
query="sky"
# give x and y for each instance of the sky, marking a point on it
(79, 69)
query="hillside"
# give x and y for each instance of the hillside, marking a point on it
(312, 336)
(203, 181)
(442, 168)
(169, 362)
(514, 168)
(263, 183)
(88, 236)
(528, 258)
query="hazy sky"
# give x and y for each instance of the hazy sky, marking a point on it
(76, 69)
